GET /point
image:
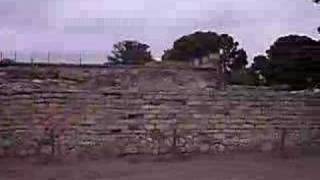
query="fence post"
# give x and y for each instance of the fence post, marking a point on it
(80, 59)
(221, 71)
(15, 56)
(48, 57)
(31, 59)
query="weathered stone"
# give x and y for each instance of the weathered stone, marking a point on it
(218, 148)
(127, 105)
(204, 148)
(23, 153)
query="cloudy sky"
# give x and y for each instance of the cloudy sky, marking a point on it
(95, 25)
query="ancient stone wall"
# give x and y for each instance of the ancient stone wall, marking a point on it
(146, 110)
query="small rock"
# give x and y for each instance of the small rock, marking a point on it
(219, 148)
(204, 148)
(31, 152)
(22, 153)
(37, 81)
(130, 149)
(46, 150)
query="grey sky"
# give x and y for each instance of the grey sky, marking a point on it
(95, 25)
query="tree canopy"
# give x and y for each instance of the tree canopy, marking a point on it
(292, 60)
(201, 44)
(130, 52)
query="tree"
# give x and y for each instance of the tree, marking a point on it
(294, 60)
(192, 46)
(201, 44)
(261, 65)
(260, 68)
(239, 60)
(130, 52)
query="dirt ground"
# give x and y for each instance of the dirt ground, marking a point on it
(244, 166)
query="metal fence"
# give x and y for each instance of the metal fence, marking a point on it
(83, 57)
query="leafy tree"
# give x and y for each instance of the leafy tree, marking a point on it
(260, 68)
(130, 52)
(201, 44)
(294, 60)
(239, 60)
(261, 65)
(192, 46)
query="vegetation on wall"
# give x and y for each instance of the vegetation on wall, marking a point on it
(201, 44)
(130, 52)
(293, 60)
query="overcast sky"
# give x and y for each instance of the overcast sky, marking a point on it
(95, 25)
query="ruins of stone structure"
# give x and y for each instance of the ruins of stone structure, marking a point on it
(145, 109)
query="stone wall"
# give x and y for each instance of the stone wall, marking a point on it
(154, 110)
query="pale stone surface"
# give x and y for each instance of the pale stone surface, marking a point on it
(204, 148)
(137, 109)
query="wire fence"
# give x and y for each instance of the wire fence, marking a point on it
(83, 57)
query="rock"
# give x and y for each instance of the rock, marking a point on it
(37, 81)
(46, 150)
(204, 148)
(219, 148)
(23, 153)
(31, 151)
(131, 149)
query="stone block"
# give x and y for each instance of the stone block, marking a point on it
(204, 148)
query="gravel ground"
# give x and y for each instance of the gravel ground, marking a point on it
(245, 166)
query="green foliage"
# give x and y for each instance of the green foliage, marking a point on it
(192, 46)
(239, 60)
(201, 44)
(243, 77)
(130, 52)
(9, 140)
(261, 68)
(293, 60)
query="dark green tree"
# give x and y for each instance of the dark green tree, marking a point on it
(192, 46)
(201, 44)
(261, 65)
(238, 60)
(260, 69)
(294, 60)
(130, 52)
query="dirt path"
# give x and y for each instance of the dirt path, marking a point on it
(236, 167)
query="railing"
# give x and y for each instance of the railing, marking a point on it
(78, 58)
